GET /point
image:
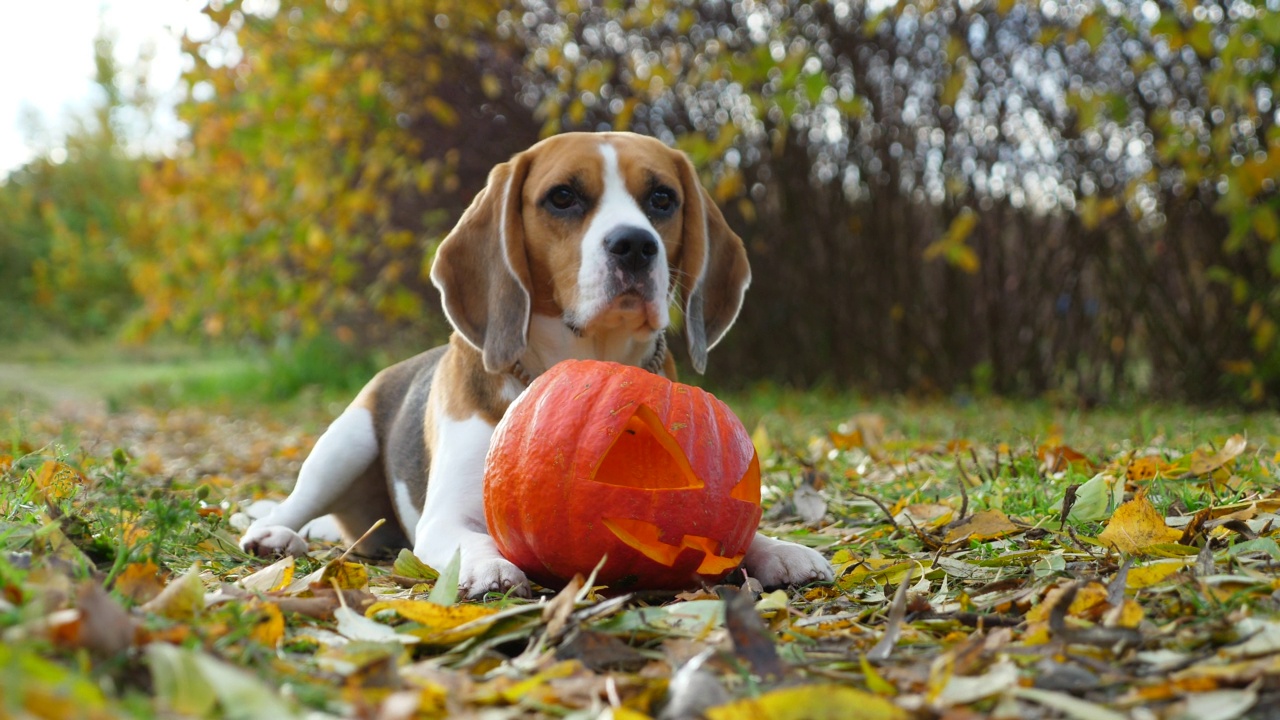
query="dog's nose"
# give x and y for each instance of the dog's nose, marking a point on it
(632, 248)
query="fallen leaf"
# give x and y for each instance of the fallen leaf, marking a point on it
(1205, 464)
(445, 591)
(760, 439)
(58, 481)
(985, 525)
(893, 624)
(556, 612)
(139, 582)
(1153, 573)
(1215, 705)
(1072, 707)
(600, 652)
(1056, 458)
(354, 626)
(962, 690)
(810, 505)
(241, 694)
(1146, 468)
(104, 627)
(810, 702)
(1097, 499)
(1136, 526)
(752, 641)
(273, 577)
(346, 575)
(268, 628)
(440, 623)
(408, 565)
(178, 682)
(182, 599)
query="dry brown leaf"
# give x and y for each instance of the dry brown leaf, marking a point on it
(1056, 458)
(1205, 464)
(1146, 468)
(58, 481)
(104, 627)
(986, 525)
(139, 582)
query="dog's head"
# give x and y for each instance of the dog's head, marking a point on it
(600, 230)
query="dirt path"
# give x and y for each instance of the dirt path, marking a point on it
(29, 384)
(246, 454)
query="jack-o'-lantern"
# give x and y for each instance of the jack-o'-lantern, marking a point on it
(599, 459)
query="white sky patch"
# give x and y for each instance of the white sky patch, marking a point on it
(46, 56)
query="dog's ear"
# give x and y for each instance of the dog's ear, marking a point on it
(482, 270)
(714, 272)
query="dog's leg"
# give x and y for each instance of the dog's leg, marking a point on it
(453, 514)
(777, 562)
(341, 456)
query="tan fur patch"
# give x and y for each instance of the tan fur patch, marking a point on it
(554, 244)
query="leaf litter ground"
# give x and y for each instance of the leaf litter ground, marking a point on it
(990, 563)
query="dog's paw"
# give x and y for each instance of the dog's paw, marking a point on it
(267, 540)
(777, 563)
(493, 575)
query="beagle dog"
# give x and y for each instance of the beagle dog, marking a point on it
(576, 248)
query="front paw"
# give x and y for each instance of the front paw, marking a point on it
(778, 563)
(493, 575)
(267, 540)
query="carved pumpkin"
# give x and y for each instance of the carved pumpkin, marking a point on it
(597, 458)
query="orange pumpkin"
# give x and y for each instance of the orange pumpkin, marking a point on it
(597, 458)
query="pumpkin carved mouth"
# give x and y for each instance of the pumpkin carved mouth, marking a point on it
(646, 457)
(646, 538)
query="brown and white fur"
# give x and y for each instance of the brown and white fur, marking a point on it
(576, 248)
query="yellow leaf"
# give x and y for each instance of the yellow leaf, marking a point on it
(441, 624)
(1148, 575)
(347, 575)
(182, 599)
(1146, 468)
(268, 629)
(875, 682)
(986, 525)
(760, 438)
(58, 481)
(1135, 526)
(810, 702)
(139, 581)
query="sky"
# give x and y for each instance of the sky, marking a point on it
(46, 48)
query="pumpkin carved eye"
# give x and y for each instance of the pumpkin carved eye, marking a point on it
(647, 457)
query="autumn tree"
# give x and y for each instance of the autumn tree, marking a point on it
(64, 257)
(330, 143)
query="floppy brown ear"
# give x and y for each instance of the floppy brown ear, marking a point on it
(482, 270)
(714, 272)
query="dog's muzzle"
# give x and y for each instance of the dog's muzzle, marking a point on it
(631, 250)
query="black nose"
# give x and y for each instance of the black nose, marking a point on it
(631, 248)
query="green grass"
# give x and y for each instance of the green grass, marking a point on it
(172, 375)
(912, 457)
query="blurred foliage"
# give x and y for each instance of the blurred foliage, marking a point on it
(1073, 196)
(328, 149)
(63, 255)
(1016, 197)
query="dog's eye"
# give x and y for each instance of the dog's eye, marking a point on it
(562, 197)
(662, 201)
